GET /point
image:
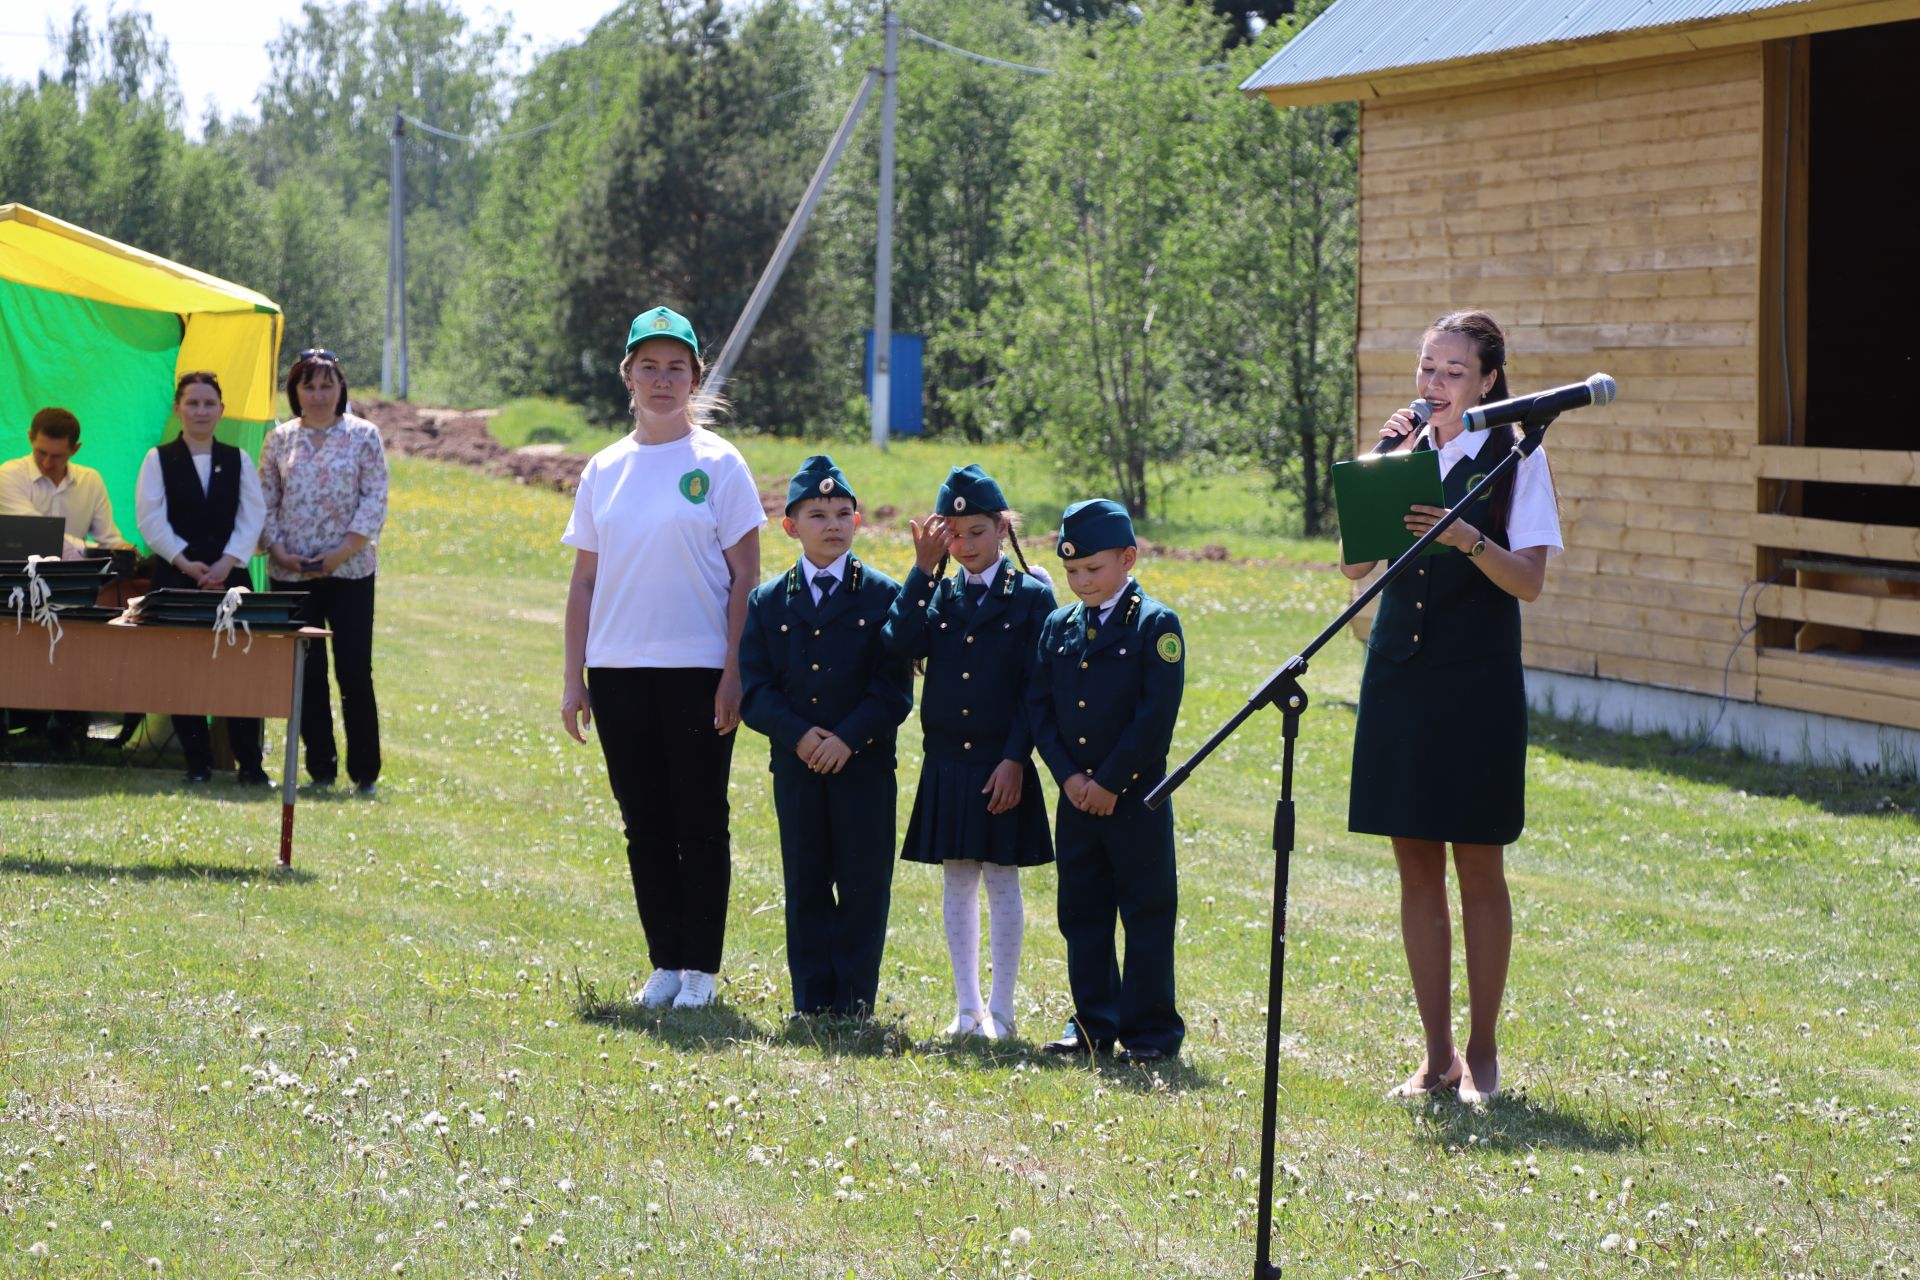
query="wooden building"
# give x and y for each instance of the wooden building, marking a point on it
(1699, 197)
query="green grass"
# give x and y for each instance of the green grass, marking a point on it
(1232, 505)
(413, 1051)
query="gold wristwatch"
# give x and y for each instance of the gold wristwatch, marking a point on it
(1479, 545)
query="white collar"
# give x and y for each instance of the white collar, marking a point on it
(1467, 444)
(1107, 607)
(986, 579)
(838, 568)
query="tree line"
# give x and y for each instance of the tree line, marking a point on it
(1124, 260)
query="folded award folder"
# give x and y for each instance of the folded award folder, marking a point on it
(1372, 495)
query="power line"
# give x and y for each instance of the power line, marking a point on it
(473, 140)
(982, 58)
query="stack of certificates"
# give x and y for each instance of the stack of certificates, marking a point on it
(185, 607)
(69, 588)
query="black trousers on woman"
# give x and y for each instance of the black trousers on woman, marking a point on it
(345, 607)
(196, 741)
(669, 773)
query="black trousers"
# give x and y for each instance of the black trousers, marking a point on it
(1120, 867)
(836, 857)
(345, 607)
(196, 741)
(669, 770)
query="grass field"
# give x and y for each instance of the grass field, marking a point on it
(1233, 506)
(412, 1055)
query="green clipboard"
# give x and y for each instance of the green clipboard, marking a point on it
(1372, 495)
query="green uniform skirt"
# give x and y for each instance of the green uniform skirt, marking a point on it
(1440, 751)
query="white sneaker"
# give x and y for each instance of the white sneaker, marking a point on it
(662, 986)
(696, 990)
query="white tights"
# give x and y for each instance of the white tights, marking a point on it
(1007, 918)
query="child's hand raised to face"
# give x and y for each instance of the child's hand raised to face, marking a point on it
(931, 540)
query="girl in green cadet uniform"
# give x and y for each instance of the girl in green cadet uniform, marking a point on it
(1443, 658)
(979, 811)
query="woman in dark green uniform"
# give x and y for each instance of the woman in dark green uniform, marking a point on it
(1443, 659)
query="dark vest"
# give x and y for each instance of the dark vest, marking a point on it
(204, 517)
(1443, 607)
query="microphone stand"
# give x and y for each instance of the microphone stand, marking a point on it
(1282, 689)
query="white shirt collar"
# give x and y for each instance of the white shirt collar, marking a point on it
(993, 571)
(838, 568)
(1465, 445)
(1107, 607)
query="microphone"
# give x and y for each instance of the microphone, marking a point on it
(1599, 389)
(1421, 411)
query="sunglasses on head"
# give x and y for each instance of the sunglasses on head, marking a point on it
(319, 353)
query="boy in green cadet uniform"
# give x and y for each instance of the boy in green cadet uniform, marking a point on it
(818, 682)
(1103, 700)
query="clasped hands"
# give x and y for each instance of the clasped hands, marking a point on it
(1088, 796)
(822, 752)
(290, 563)
(207, 577)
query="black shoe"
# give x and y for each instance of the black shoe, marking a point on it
(367, 790)
(1067, 1045)
(197, 776)
(253, 778)
(1142, 1056)
(327, 781)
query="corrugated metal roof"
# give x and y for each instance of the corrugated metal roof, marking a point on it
(1361, 37)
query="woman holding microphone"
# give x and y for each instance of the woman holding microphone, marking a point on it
(1443, 659)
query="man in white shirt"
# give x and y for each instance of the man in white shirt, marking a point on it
(47, 483)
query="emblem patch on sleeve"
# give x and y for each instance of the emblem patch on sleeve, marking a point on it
(694, 486)
(1168, 647)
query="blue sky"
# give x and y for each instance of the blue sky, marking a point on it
(220, 46)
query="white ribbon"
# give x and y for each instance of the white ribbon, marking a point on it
(34, 601)
(224, 621)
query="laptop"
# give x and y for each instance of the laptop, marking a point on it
(23, 536)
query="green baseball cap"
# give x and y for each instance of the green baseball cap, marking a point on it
(662, 322)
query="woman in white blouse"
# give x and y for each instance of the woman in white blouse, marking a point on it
(198, 505)
(324, 477)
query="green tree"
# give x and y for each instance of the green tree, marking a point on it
(676, 192)
(1100, 290)
(1275, 197)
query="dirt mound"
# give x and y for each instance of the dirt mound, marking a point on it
(460, 435)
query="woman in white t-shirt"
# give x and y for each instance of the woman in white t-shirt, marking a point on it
(666, 532)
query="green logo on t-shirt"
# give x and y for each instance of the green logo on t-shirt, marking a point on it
(694, 486)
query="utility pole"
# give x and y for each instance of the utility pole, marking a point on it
(883, 251)
(796, 227)
(393, 354)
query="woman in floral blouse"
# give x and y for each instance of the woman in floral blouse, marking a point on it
(324, 477)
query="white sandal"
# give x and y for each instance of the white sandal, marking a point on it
(965, 1023)
(997, 1027)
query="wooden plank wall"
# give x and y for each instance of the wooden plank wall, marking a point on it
(1610, 221)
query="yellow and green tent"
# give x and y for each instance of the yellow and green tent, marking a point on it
(104, 329)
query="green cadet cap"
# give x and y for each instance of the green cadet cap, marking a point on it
(662, 322)
(1090, 527)
(818, 478)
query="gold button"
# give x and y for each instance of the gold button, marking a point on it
(965, 712)
(1083, 702)
(969, 639)
(1083, 666)
(783, 626)
(1136, 777)
(1083, 742)
(816, 631)
(816, 699)
(966, 746)
(1419, 604)
(1423, 573)
(966, 675)
(863, 622)
(1416, 637)
(923, 603)
(816, 666)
